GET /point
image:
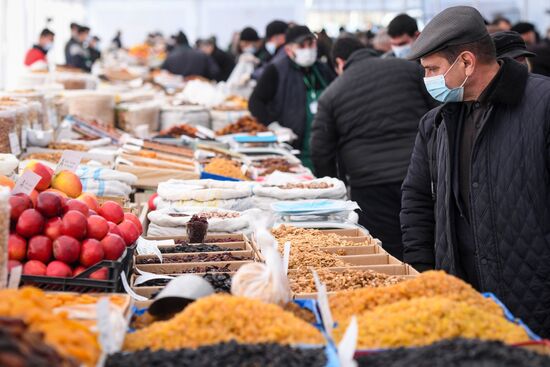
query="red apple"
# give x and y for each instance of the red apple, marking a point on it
(30, 223)
(90, 200)
(12, 264)
(73, 204)
(59, 269)
(34, 267)
(43, 171)
(129, 231)
(93, 212)
(74, 224)
(17, 247)
(18, 204)
(66, 249)
(49, 204)
(113, 228)
(111, 211)
(79, 269)
(91, 252)
(40, 248)
(113, 246)
(53, 228)
(101, 274)
(151, 202)
(97, 227)
(134, 219)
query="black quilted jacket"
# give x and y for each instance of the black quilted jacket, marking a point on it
(510, 196)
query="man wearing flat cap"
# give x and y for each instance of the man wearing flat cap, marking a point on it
(288, 90)
(476, 199)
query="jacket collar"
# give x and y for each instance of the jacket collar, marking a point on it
(359, 55)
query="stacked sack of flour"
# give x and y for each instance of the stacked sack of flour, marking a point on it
(103, 181)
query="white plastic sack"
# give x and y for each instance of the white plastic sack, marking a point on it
(106, 188)
(336, 191)
(100, 173)
(162, 217)
(239, 205)
(201, 93)
(203, 190)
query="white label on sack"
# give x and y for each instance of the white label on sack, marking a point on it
(26, 183)
(324, 306)
(286, 256)
(69, 161)
(14, 144)
(15, 277)
(104, 325)
(129, 290)
(348, 344)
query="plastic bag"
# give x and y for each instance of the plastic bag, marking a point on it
(335, 189)
(203, 190)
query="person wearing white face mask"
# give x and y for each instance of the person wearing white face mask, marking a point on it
(273, 47)
(475, 201)
(36, 58)
(403, 31)
(289, 88)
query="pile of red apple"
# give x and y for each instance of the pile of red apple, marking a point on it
(61, 237)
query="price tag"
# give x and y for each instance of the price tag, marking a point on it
(324, 306)
(286, 256)
(69, 161)
(348, 344)
(15, 277)
(26, 183)
(104, 325)
(14, 144)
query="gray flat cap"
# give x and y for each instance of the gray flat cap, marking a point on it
(453, 26)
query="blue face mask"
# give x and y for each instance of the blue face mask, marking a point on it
(438, 89)
(271, 47)
(401, 52)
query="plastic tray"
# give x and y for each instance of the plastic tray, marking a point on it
(206, 175)
(81, 283)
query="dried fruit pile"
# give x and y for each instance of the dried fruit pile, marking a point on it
(230, 354)
(425, 320)
(302, 281)
(70, 338)
(246, 124)
(221, 282)
(197, 228)
(203, 257)
(222, 318)
(177, 131)
(185, 248)
(456, 353)
(432, 283)
(21, 347)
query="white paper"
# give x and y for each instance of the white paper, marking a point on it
(324, 306)
(69, 161)
(150, 276)
(348, 344)
(26, 183)
(104, 325)
(129, 290)
(15, 277)
(149, 247)
(14, 144)
(286, 256)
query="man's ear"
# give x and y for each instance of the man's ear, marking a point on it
(289, 51)
(340, 63)
(469, 61)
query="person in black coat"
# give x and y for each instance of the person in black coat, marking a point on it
(223, 60)
(185, 61)
(476, 198)
(367, 121)
(288, 90)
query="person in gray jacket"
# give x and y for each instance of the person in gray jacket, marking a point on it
(367, 120)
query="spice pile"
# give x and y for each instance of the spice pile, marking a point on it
(230, 354)
(21, 347)
(456, 353)
(302, 281)
(221, 318)
(32, 306)
(225, 167)
(246, 124)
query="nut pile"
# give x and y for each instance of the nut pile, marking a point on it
(425, 320)
(270, 165)
(222, 318)
(201, 257)
(431, 283)
(301, 281)
(225, 167)
(456, 353)
(303, 258)
(314, 237)
(302, 185)
(21, 347)
(230, 354)
(185, 248)
(246, 124)
(32, 306)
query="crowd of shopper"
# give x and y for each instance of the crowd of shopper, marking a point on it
(442, 135)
